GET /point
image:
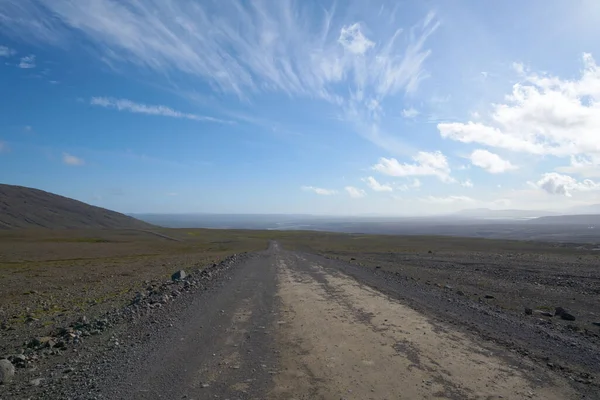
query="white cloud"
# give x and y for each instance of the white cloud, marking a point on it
(426, 163)
(410, 112)
(554, 183)
(468, 183)
(376, 186)
(238, 47)
(128, 105)
(543, 115)
(491, 162)
(27, 62)
(448, 199)
(297, 48)
(353, 40)
(415, 184)
(319, 191)
(72, 160)
(355, 192)
(519, 68)
(587, 166)
(6, 51)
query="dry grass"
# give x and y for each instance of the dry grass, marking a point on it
(52, 275)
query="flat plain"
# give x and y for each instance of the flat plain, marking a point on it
(504, 292)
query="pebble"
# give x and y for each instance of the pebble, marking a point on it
(36, 381)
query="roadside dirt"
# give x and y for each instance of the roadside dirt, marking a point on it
(279, 324)
(340, 339)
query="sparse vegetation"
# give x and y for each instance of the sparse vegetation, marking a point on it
(50, 276)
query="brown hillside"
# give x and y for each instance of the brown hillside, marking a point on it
(23, 207)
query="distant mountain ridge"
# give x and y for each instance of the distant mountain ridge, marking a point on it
(572, 219)
(23, 207)
(584, 210)
(510, 214)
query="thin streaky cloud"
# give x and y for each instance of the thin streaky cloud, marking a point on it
(140, 108)
(319, 191)
(237, 47)
(246, 48)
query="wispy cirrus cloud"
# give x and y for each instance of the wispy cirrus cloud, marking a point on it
(140, 108)
(319, 191)
(72, 160)
(296, 48)
(256, 46)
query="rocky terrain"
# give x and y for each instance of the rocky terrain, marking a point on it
(69, 360)
(259, 324)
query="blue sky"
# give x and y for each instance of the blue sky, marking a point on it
(345, 107)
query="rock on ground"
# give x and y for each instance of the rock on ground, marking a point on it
(7, 371)
(179, 275)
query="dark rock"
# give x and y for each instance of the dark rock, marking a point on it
(179, 275)
(460, 293)
(559, 311)
(352, 259)
(567, 317)
(528, 311)
(18, 360)
(7, 371)
(489, 296)
(596, 323)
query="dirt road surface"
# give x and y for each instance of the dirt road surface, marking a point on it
(290, 326)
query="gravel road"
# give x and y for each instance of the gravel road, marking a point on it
(289, 325)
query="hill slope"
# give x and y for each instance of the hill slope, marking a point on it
(23, 207)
